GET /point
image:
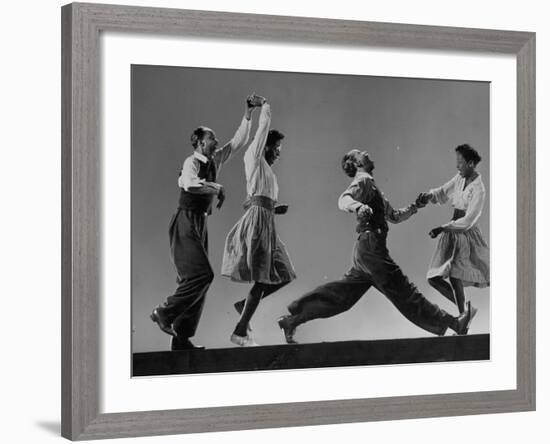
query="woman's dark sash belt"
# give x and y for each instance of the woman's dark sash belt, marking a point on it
(259, 201)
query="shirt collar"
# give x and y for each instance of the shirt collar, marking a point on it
(200, 157)
(361, 174)
(478, 178)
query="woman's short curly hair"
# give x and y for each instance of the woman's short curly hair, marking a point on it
(468, 153)
(349, 163)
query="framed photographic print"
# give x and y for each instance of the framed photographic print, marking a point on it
(312, 201)
(386, 116)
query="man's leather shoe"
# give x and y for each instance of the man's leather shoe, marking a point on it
(184, 344)
(158, 316)
(288, 329)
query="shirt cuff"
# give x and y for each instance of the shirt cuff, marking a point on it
(451, 226)
(192, 183)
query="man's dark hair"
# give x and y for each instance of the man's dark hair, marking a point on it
(349, 163)
(273, 136)
(468, 153)
(197, 135)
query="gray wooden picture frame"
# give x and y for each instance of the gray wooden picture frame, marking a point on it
(81, 172)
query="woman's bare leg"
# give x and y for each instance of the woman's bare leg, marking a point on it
(458, 288)
(257, 293)
(444, 288)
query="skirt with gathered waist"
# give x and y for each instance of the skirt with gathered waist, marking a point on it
(463, 255)
(253, 252)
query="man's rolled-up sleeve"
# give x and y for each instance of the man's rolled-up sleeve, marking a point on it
(189, 176)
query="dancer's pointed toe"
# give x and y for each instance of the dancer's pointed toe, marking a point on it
(243, 341)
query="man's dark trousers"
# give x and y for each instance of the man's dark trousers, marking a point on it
(189, 251)
(372, 266)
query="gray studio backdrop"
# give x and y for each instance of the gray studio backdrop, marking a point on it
(410, 127)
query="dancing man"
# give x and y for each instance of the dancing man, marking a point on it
(372, 264)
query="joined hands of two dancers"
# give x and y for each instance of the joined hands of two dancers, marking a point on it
(364, 211)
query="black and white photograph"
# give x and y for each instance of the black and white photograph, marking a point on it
(275, 222)
(284, 220)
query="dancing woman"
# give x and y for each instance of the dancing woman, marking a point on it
(461, 257)
(253, 251)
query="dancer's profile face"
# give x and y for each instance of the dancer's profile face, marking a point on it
(465, 169)
(209, 143)
(273, 152)
(364, 160)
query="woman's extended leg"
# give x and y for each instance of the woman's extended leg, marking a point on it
(443, 287)
(458, 288)
(257, 293)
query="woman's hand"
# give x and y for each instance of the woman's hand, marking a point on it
(254, 100)
(281, 209)
(436, 232)
(423, 199)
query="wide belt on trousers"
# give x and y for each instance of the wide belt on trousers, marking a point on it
(371, 230)
(195, 202)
